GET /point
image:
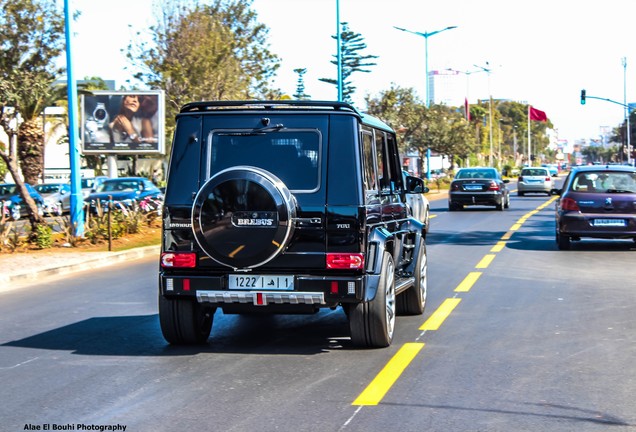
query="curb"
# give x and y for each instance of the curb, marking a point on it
(90, 262)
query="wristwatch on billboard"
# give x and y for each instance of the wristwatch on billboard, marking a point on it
(100, 115)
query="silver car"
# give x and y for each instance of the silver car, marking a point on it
(534, 180)
(57, 197)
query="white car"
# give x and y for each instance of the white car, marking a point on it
(418, 204)
(534, 180)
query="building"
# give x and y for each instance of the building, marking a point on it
(446, 87)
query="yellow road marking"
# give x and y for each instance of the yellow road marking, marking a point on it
(468, 282)
(506, 236)
(442, 312)
(515, 227)
(498, 247)
(485, 261)
(382, 383)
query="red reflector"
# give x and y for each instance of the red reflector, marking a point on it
(345, 261)
(181, 260)
(186, 284)
(260, 300)
(334, 287)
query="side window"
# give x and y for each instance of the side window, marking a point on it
(384, 176)
(370, 176)
(393, 161)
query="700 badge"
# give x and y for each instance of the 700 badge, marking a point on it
(262, 282)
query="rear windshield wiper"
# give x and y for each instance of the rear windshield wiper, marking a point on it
(265, 129)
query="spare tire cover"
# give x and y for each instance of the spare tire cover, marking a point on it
(243, 217)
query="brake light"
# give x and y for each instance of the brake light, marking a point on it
(520, 178)
(493, 185)
(179, 260)
(548, 179)
(348, 261)
(568, 204)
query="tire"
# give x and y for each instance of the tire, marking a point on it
(244, 206)
(413, 300)
(184, 321)
(563, 241)
(500, 206)
(519, 193)
(507, 203)
(59, 209)
(372, 323)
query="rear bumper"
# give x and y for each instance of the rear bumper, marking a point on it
(318, 291)
(534, 187)
(582, 225)
(476, 198)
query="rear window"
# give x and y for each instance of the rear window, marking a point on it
(535, 172)
(483, 174)
(605, 182)
(290, 154)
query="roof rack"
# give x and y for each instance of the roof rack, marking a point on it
(269, 104)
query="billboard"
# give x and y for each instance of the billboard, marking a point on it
(123, 122)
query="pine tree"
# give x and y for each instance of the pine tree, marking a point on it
(351, 44)
(300, 85)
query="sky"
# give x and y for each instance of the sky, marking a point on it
(540, 52)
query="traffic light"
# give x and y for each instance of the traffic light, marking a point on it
(582, 97)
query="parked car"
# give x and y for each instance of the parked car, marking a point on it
(598, 202)
(478, 186)
(124, 193)
(534, 180)
(90, 184)
(12, 205)
(288, 207)
(418, 203)
(57, 197)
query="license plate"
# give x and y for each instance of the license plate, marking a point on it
(472, 187)
(261, 282)
(609, 222)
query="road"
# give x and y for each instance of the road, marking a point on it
(517, 336)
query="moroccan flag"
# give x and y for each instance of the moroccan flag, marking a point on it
(537, 115)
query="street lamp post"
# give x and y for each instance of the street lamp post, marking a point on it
(426, 35)
(627, 113)
(488, 70)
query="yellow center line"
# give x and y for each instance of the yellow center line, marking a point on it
(498, 247)
(382, 383)
(468, 282)
(485, 261)
(442, 312)
(506, 236)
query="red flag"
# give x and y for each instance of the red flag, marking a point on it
(467, 109)
(537, 115)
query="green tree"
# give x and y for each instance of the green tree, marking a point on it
(32, 34)
(197, 52)
(300, 85)
(351, 44)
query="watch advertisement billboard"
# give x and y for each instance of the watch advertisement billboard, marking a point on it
(123, 122)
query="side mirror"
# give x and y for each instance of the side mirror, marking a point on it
(415, 185)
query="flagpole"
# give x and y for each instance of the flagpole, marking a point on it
(529, 145)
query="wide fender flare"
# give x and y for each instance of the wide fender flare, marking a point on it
(380, 240)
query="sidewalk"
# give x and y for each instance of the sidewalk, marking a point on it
(23, 267)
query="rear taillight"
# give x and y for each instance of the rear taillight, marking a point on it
(493, 185)
(548, 179)
(455, 186)
(179, 260)
(520, 178)
(348, 261)
(568, 204)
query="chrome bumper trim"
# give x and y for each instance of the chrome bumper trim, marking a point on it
(276, 297)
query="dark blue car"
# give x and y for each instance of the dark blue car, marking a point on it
(125, 193)
(12, 205)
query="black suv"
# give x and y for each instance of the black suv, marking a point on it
(288, 207)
